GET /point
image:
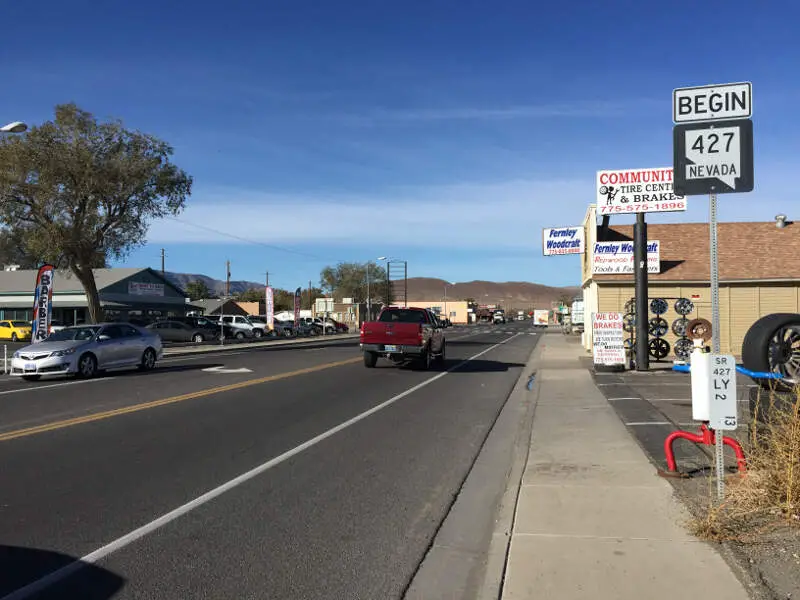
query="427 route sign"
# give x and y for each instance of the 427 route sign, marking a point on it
(713, 157)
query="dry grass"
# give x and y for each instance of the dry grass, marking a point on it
(769, 495)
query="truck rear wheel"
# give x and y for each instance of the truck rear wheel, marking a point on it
(370, 359)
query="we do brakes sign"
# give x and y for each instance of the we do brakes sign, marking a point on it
(637, 190)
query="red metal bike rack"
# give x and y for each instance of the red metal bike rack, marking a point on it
(705, 437)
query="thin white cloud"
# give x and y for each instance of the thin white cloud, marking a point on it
(468, 216)
(588, 109)
(465, 216)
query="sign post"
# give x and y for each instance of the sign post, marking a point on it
(713, 154)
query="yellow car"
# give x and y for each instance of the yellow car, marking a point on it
(16, 331)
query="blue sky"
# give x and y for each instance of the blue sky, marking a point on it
(445, 133)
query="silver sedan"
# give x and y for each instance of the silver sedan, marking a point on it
(86, 349)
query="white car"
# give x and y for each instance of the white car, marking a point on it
(84, 350)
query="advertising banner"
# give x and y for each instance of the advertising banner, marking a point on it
(562, 240)
(297, 293)
(632, 191)
(616, 258)
(270, 308)
(608, 346)
(42, 304)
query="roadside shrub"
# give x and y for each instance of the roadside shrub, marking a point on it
(768, 495)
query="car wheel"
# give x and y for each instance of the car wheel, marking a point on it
(148, 360)
(87, 366)
(257, 333)
(441, 358)
(772, 344)
(425, 360)
(370, 359)
(287, 333)
(198, 338)
(14, 337)
(31, 377)
(239, 335)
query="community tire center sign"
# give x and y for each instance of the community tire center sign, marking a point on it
(631, 191)
(563, 240)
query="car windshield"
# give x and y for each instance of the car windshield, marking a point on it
(73, 333)
(20, 324)
(402, 316)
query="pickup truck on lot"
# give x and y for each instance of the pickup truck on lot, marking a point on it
(402, 335)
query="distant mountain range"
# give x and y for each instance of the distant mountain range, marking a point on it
(521, 294)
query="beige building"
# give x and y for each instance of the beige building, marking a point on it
(759, 269)
(455, 310)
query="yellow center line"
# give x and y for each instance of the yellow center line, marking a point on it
(11, 435)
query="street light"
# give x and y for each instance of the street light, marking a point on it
(14, 127)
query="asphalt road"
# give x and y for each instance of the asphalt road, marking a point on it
(300, 475)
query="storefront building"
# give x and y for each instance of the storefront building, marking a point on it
(759, 270)
(126, 294)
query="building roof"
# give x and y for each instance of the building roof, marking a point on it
(747, 251)
(65, 282)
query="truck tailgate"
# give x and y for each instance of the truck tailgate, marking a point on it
(397, 334)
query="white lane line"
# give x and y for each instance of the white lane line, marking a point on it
(34, 388)
(626, 398)
(127, 539)
(640, 423)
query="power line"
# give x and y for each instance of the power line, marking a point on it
(249, 241)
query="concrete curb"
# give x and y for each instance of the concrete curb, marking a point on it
(189, 350)
(468, 555)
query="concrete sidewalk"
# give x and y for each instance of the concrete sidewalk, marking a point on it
(593, 519)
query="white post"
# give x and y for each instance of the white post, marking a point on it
(715, 333)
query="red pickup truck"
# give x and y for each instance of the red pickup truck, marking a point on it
(403, 334)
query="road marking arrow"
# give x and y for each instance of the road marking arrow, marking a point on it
(222, 369)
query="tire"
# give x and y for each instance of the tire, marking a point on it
(771, 345)
(239, 335)
(370, 359)
(425, 360)
(31, 377)
(14, 337)
(443, 356)
(87, 366)
(198, 338)
(148, 360)
(257, 333)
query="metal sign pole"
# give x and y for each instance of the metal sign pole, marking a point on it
(715, 337)
(641, 295)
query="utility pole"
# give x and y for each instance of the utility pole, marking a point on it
(227, 278)
(163, 257)
(267, 278)
(369, 302)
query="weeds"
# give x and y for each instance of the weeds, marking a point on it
(769, 494)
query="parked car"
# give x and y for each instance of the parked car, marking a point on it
(16, 331)
(401, 335)
(175, 331)
(88, 349)
(241, 326)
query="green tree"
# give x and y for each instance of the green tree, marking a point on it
(86, 191)
(12, 249)
(349, 280)
(197, 290)
(252, 295)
